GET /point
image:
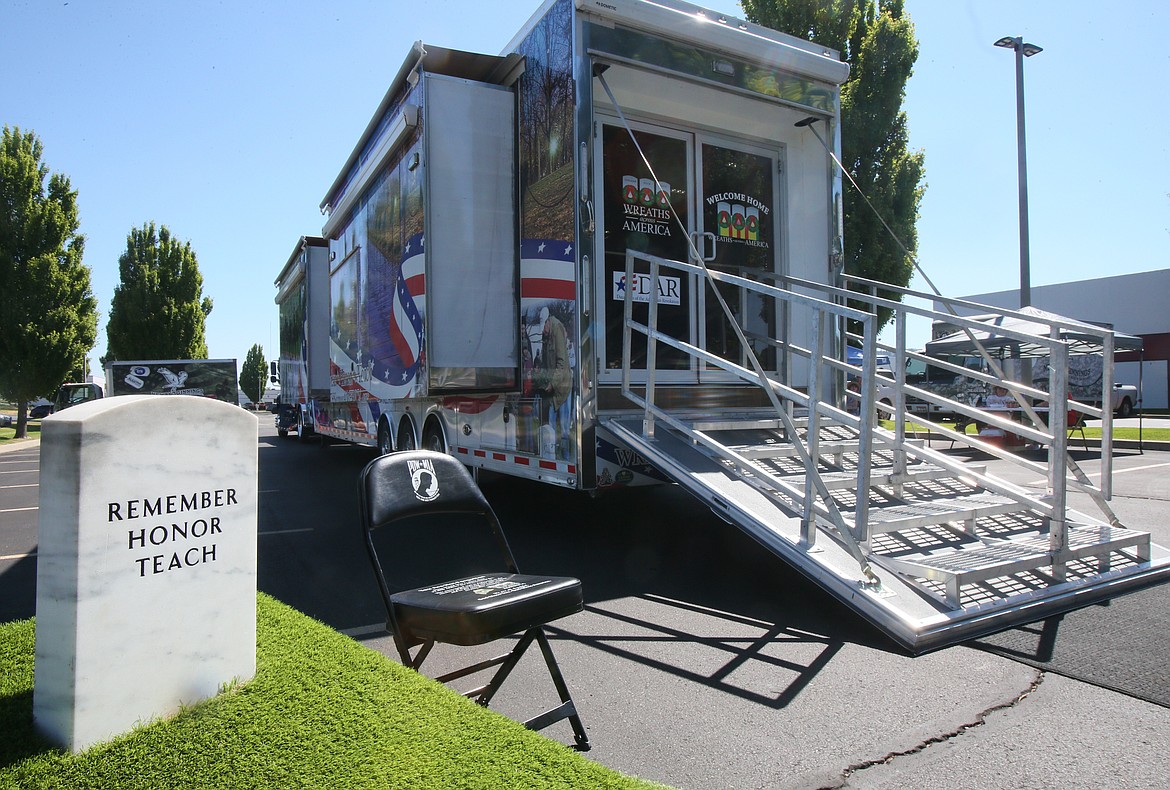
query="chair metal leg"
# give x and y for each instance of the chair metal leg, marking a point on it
(414, 662)
(506, 663)
(506, 667)
(567, 709)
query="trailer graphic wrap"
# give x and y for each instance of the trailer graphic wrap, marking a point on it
(406, 324)
(294, 360)
(378, 294)
(394, 317)
(541, 417)
(395, 327)
(345, 288)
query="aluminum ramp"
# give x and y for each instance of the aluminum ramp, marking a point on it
(929, 548)
(955, 554)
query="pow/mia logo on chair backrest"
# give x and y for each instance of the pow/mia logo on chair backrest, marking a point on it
(423, 480)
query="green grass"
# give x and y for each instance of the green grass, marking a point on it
(8, 435)
(1147, 434)
(322, 711)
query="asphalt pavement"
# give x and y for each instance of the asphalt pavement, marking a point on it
(702, 661)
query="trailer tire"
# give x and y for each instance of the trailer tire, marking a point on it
(406, 440)
(385, 446)
(1126, 408)
(434, 438)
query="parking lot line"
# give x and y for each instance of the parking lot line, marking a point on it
(1116, 472)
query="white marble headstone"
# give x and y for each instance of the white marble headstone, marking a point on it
(146, 563)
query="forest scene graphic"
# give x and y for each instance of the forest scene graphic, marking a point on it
(548, 343)
(546, 128)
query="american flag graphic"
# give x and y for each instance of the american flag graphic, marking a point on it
(547, 269)
(406, 322)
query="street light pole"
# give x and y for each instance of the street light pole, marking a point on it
(1022, 50)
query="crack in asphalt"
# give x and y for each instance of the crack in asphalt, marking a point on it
(980, 720)
(1142, 498)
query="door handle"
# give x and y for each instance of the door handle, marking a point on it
(711, 257)
(699, 246)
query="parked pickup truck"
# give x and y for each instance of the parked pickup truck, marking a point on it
(1125, 398)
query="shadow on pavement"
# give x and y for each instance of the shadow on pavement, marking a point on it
(18, 590)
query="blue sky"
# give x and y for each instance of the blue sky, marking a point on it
(228, 121)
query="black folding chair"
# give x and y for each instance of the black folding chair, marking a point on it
(405, 492)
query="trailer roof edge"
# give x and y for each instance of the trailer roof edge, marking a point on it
(417, 50)
(497, 69)
(302, 242)
(735, 36)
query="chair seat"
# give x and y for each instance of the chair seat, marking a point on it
(479, 609)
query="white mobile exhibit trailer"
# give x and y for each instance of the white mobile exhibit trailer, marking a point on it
(302, 298)
(478, 231)
(611, 255)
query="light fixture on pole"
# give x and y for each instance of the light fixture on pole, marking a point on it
(1022, 50)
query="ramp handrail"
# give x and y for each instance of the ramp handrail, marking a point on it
(1052, 433)
(827, 310)
(782, 397)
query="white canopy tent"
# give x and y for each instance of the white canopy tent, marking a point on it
(1081, 337)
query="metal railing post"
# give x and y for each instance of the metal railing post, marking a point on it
(868, 415)
(812, 432)
(1057, 480)
(899, 399)
(1107, 417)
(651, 348)
(627, 317)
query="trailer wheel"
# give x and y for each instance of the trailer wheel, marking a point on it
(1126, 408)
(302, 431)
(385, 446)
(406, 440)
(433, 437)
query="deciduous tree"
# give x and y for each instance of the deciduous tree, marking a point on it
(876, 38)
(48, 314)
(158, 310)
(254, 373)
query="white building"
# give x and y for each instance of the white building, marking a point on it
(1136, 304)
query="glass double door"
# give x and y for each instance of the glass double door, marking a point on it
(714, 199)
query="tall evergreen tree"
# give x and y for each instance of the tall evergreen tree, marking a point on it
(48, 314)
(158, 310)
(877, 39)
(254, 373)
